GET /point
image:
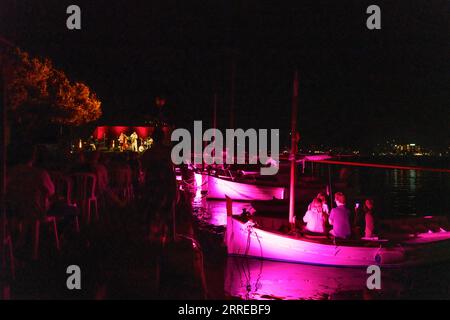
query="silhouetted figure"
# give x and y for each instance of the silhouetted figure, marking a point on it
(158, 152)
(29, 188)
(369, 218)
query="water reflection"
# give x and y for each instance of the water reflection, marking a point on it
(261, 279)
(215, 212)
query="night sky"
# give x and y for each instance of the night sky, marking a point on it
(357, 86)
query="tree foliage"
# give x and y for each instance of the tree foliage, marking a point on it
(39, 93)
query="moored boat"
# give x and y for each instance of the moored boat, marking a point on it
(246, 238)
(219, 187)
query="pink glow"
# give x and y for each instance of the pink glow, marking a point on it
(245, 239)
(262, 280)
(117, 130)
(217, 210)
(219, 188)
(142, 132)
(166, 130)
(100, 132)
(199, 183)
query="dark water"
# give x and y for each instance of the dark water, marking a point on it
(400, 193)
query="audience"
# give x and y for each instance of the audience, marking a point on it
(340, 218)
(314, 217)
(29, 188)
(323, 198)
(165, 214)
(369, 218)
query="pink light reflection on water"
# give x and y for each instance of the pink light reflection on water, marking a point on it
(217, 211)
(256, 279)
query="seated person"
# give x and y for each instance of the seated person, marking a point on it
(314, 217)
(358, 221)
(322, 196)
(340, 218)
(369, 218)
(29, 188)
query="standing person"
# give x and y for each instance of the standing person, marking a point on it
(136, 169)
(157, 153)
(122, 141)
(369, 218)
(340, 218)
(134, 141)
(100, 171)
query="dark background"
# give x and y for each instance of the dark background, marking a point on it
(358, 87)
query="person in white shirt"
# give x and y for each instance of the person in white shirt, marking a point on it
(323, 198)
(134, 142)
(314, 217)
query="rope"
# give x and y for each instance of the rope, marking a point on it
(377, 165)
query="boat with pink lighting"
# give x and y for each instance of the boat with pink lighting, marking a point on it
(244, 183)
(269, 234)
(217, 187)
(259, 238)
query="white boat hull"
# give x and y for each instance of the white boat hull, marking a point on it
(242, 239)
(217, 188)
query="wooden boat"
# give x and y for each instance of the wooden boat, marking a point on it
(245, 238)
(219, 187)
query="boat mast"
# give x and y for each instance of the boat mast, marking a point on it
(232, 89)
(215, 121)
(293, 150)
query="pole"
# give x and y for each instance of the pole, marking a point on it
(215, 120)
(3, 230)
(233, 71)
(330, 187)
(293, 150)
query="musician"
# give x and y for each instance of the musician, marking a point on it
(149, 142)
(122, 140)
(134, 141)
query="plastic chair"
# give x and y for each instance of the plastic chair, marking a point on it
(51, 220)
(63, 193)
(122, 184)
(84, 193)
(63, 187)
(24, 219)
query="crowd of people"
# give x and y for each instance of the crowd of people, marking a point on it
(133, 191)
(340, 222)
